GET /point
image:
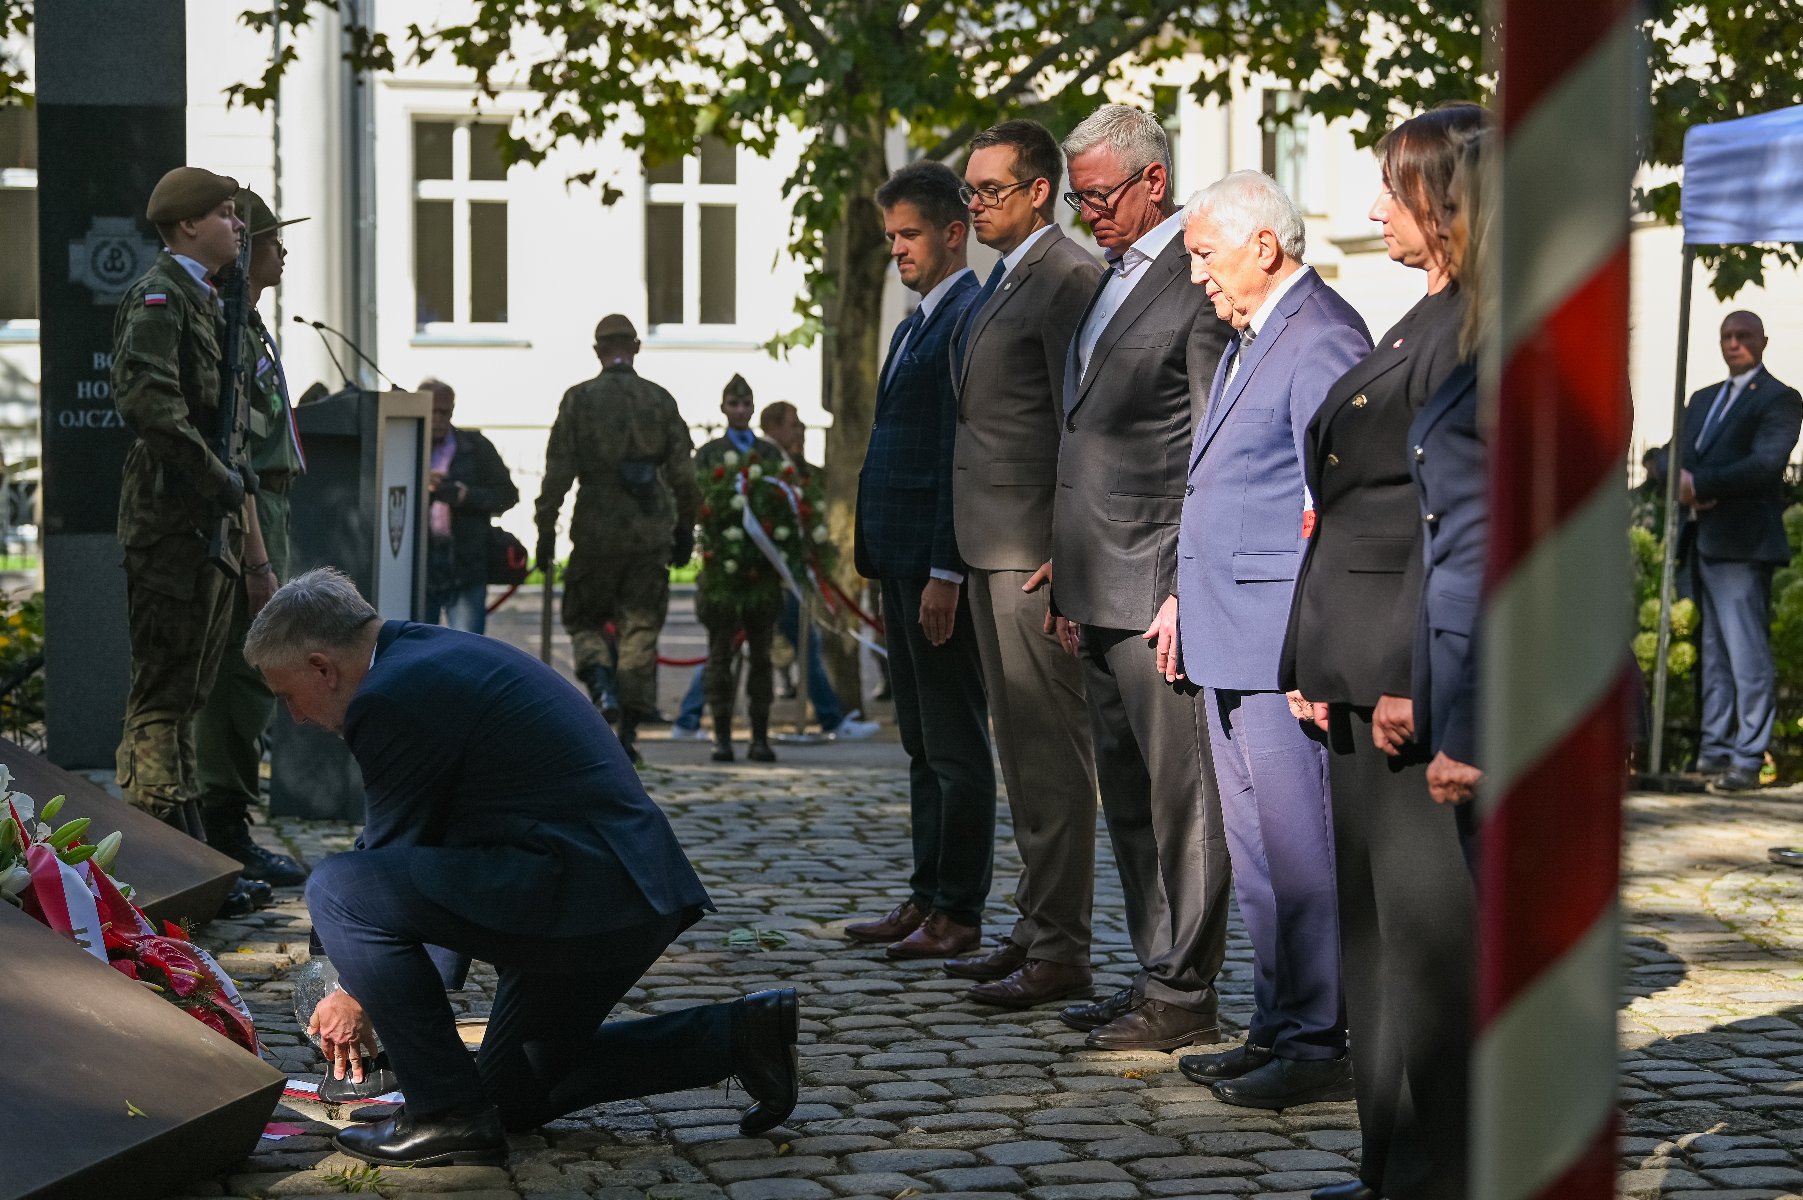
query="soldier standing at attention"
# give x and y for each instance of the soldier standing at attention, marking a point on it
(623, 437)
(229, 731)
(167, 340)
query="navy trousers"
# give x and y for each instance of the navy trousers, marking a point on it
(546, 1052)
(1739, 681)
(1273, 778)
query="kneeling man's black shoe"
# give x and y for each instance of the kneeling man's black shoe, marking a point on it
(1228, 1064)
(765, 1029)
(440, 1140)
(1287, 1082)
(378, 1080)
(1350, 1189)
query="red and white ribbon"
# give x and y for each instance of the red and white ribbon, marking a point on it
(754, 529)
(59, 894)
(1555, 620)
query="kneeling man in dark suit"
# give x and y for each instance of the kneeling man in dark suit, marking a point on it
(503, 822)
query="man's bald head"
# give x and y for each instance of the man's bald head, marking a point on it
(1743, 341)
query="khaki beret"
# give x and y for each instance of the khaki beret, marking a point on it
(736, 386)
(615, 325)
(186, 193)
(258, 215)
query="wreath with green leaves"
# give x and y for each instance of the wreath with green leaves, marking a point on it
(785, 504)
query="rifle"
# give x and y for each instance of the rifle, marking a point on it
(234, 419)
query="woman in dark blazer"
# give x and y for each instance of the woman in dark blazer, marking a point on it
(470, 486)
(1406, 899)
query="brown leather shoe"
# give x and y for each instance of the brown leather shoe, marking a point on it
(903, 920)
(999, 963)
(1039, 981)
(1096, 1013)
(1156, 1025)
(938, 937)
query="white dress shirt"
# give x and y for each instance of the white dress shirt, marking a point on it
(1126, 271)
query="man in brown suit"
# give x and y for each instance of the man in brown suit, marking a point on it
(1008, 361)
(1122, 469)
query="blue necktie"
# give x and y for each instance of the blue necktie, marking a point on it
(904, 333)
(1714, 416)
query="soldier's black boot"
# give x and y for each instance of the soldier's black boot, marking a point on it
(760, 739)
(722, 735)
(230, 835)
(629, 739)
(602, 692)
(185, 816)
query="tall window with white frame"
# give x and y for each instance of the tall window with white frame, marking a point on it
(459, 223)
(18, 220)
(692, 238)
(1283, 142)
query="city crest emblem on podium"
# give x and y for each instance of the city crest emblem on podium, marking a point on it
(397, 518)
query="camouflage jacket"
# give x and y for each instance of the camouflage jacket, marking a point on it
(624, 440)
(166, 349)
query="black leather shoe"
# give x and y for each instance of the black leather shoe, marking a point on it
(1786, 856)
(1350, 1189)
(405, 1140)
(260, 893)
(1155, 1025)
(378, 1080)
(722, 752)
(1228, 1064)
(764, 1032)
(1734, 781)
(1287, 1082)
(760, 751)
(277, 870)
(1097, 1013)
(369, 1114)
(246, 897)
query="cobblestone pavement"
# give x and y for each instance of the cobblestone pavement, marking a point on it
(909, 1088)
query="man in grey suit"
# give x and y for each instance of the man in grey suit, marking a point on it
(1246, 520)
(1127, 425)
(1008, 361)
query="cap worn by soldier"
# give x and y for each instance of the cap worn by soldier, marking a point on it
(188, 193)
(615, 325)
(257, 215)
(736, 386)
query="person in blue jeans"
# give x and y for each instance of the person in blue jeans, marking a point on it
(781, 424)
(848, 726)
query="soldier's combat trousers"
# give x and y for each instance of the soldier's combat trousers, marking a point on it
(228, 734)
(177, 611)
(633, 594)
(723, 624)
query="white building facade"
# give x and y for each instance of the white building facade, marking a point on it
(438, 260)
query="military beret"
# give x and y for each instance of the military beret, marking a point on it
(258, 215)
(736, 386)
(615, 325)
(186, 193)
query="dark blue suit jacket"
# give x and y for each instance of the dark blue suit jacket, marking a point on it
(524, 811)
(1742, 470)
(1451, 466)
(904, 519)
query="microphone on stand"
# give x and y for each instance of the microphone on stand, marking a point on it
(323, 329)
(315, 326)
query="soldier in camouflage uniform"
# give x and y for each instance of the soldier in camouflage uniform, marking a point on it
(623, 437)
(229, 730)
(167, 340)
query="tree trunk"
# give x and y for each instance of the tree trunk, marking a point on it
(860, 259)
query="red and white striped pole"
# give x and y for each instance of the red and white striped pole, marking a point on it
(1556, 623)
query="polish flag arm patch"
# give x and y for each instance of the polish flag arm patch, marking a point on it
(155, 299)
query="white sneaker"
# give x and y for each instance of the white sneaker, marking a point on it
(697, 734)
(853, 728)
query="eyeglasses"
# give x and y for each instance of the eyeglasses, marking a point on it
(1104, 201)
(991, 195)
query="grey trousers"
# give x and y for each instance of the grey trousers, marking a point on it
(1042, 741)
(1157, 780)
(1739, 681)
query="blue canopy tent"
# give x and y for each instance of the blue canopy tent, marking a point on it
(1743, 183)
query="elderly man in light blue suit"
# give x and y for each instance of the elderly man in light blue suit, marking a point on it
(1246, 516)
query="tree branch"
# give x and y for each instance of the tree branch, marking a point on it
(928, 10)
(804, 25)
(1024, 77)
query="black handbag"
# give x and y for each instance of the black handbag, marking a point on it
(508, 563)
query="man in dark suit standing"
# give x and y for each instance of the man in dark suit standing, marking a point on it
(1009, 360)
(503, 822)
(906, 543)
(1127, 426)
(1738, 436)
(1246, 520)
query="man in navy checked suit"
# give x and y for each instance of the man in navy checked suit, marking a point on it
(905, 542)
(503, 822)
